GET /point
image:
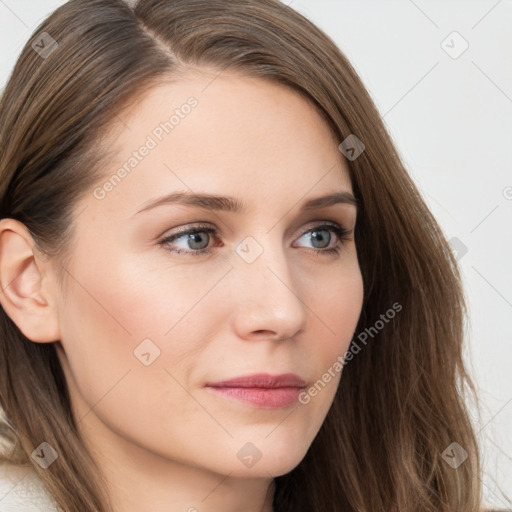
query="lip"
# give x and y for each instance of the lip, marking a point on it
(261, 390)
(261, 380)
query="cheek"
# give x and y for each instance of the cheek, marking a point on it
(335, 314)
(336, 305)
(156, 299)
(104, 320)
(117, 317)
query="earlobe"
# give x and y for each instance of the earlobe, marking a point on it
(25, 295)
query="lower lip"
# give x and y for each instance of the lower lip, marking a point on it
(268, 398)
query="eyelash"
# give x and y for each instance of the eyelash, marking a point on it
(342, 233)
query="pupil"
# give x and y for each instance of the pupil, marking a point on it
(317, 237)
(195, 237)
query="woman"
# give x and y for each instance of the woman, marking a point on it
(221, 289)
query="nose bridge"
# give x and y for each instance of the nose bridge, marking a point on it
(268, 291)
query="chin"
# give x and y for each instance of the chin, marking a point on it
(275, 460)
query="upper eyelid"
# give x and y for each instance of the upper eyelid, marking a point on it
(187, 228)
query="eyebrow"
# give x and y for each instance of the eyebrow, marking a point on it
(231, 204)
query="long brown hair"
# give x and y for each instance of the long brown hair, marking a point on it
(402, 400)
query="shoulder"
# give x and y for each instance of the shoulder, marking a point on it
(22, 491)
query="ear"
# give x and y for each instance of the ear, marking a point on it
(26, 284)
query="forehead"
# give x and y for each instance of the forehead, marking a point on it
(218, 132)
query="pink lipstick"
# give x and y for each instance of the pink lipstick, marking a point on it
(261, 390)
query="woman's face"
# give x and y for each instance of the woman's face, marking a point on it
(144, 327)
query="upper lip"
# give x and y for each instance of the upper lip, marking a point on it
(261, 380)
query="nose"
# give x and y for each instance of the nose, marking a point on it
(268, 301)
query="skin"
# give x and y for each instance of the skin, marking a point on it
(165, 442)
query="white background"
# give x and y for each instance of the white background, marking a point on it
(451, 119)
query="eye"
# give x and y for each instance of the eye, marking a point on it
(196, 241)
(321, 237)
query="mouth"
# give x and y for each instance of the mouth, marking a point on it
(261, 390)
